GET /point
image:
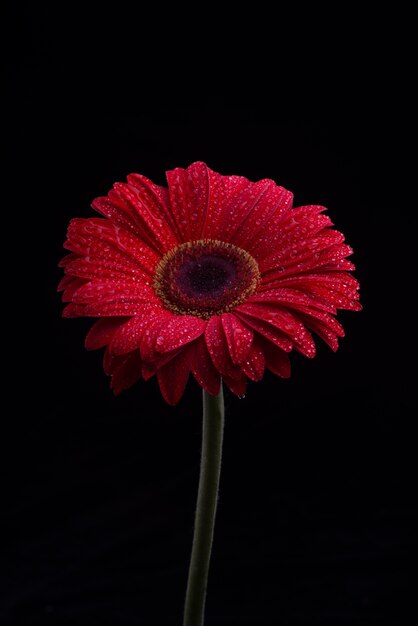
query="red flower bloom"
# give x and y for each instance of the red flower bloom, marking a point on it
(216, 275)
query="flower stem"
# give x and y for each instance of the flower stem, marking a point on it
(207, 498)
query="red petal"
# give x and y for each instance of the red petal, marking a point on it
(151, 222)
(237, 386)
(102, 239)
(156, 198)
(203, 369)
(69, 258)
(195, 193)
(346, 282)
(307, 315)
(65, 282)
(325, 333)
(106, 292)
(142, 208)
(126, 373)
(116, 211)
(221, 221)
(289, 298)
(125, 370)
(218, 348)
(114, 309)
(178, 331)
(74, 310)
(238, 337)
(126, 305)
(266, 330)
(173, 376)
(72, 287)
(247, 206)
(105, 269)
(276, 360)
(324, 325)
(285, 321)
(253, 366)
(256, 205)
(128, 336)
(153, 326)
(295, 225)
(302, 251)
(122, 309)
(339, 297)
(150, 368)
(102, 331)
(208, 205)
(110, 362)
(342, 265)
(330, 258)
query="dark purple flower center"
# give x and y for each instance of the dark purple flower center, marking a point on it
(205, 277)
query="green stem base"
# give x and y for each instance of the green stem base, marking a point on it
(207, 499)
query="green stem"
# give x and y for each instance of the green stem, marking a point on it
(207, 498)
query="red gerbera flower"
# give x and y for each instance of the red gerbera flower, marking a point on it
(214, 275)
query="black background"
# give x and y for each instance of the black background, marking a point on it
(317, 513)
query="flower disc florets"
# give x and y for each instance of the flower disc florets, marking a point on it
(205, 277)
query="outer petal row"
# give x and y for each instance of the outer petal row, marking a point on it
(230, 208)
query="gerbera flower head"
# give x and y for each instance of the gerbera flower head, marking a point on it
(213, 276)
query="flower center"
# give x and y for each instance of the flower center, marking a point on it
(205, 277)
